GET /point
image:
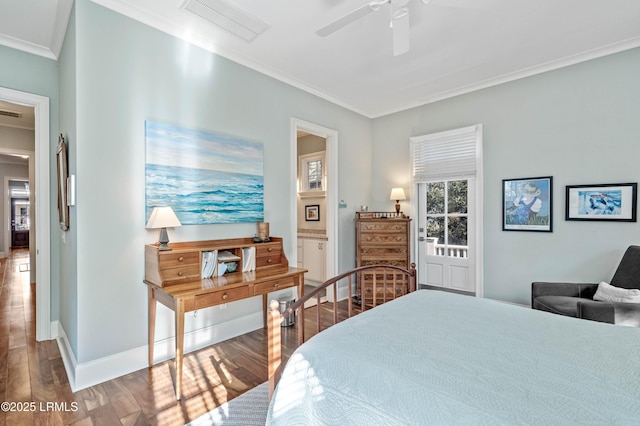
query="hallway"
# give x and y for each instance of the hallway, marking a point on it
(29, 371)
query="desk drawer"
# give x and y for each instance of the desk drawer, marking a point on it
(268, 260)
(220, 297)
(269, 286)
(181, 273)
(268, 250)
(179, 259)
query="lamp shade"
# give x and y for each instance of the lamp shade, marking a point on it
(397, 194)
(163, 217)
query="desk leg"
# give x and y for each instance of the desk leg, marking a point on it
(179, 345)
(152, 324)
(264, 310)
(301, 311)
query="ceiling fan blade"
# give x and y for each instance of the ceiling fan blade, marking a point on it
(401, 34)
(348, 18)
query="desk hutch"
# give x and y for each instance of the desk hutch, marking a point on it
(174, 278)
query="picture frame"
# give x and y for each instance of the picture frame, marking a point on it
(62, 174)
(527, 204)
(312, 213)
(613, 202)
(205, 177)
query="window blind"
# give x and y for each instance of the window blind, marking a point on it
(446, 155)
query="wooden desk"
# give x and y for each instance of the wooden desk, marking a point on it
(171, 284)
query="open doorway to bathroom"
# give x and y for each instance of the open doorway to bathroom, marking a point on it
(314, 171)
(312, 209)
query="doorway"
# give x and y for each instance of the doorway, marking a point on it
(19, 214)
(324, 185)
(448, 176)
(39, 244)
(446, 234)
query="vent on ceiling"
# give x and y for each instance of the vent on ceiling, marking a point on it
(12, 114)
(228, 17)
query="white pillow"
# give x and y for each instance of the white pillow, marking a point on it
(608, 293)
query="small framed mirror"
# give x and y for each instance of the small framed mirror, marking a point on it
(61, 161)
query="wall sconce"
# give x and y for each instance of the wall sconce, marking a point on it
(397, 194)
(163, 218)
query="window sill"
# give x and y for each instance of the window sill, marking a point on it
(312, 194)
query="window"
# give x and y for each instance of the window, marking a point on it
(312, 173)
(447, 217)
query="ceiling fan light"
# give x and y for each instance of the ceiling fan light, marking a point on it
(401, 13)
(375, 5)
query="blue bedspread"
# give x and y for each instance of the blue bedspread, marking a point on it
(438, 358)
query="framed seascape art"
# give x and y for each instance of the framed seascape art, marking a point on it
(612, 202)
(312, 213)
(205, 177)
(527, 204)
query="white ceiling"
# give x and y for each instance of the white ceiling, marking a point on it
(457, 46)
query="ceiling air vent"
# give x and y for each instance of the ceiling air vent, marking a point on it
(228, 17)
(12, 114)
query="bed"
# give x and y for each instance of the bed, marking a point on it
(432, 357)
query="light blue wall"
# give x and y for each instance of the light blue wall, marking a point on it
(578, 124)
(127, 73)
(68, 245)
(33, 74)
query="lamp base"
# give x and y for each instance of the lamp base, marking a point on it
(397, 206)
(164, 240)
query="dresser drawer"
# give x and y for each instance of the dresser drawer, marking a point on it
(269, 286)
(220, 297)
(389, 227)
(380, 240)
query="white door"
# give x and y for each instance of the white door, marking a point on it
(446, 232)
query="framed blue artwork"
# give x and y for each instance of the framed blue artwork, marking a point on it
(527, 204)
(610, 202)
(205, 177)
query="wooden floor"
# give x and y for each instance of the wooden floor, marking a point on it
(32, 372)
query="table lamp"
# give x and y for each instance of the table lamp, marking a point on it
(163, 218)
(397, 194)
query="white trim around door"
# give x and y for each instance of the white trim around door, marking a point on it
(331, 158)
(42, 206)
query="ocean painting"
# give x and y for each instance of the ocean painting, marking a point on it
(205, 177)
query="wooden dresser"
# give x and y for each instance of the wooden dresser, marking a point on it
(381, 238)
(175, 279)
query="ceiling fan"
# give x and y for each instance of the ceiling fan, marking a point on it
(399, 21)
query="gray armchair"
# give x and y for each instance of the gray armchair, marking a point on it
(576, 299)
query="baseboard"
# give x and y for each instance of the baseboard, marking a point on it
(68, 359)
(91, 373)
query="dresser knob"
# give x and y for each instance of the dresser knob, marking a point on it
(225, 296)
(276, 286)
(269, 248)
(180, 273)
(269, 260)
